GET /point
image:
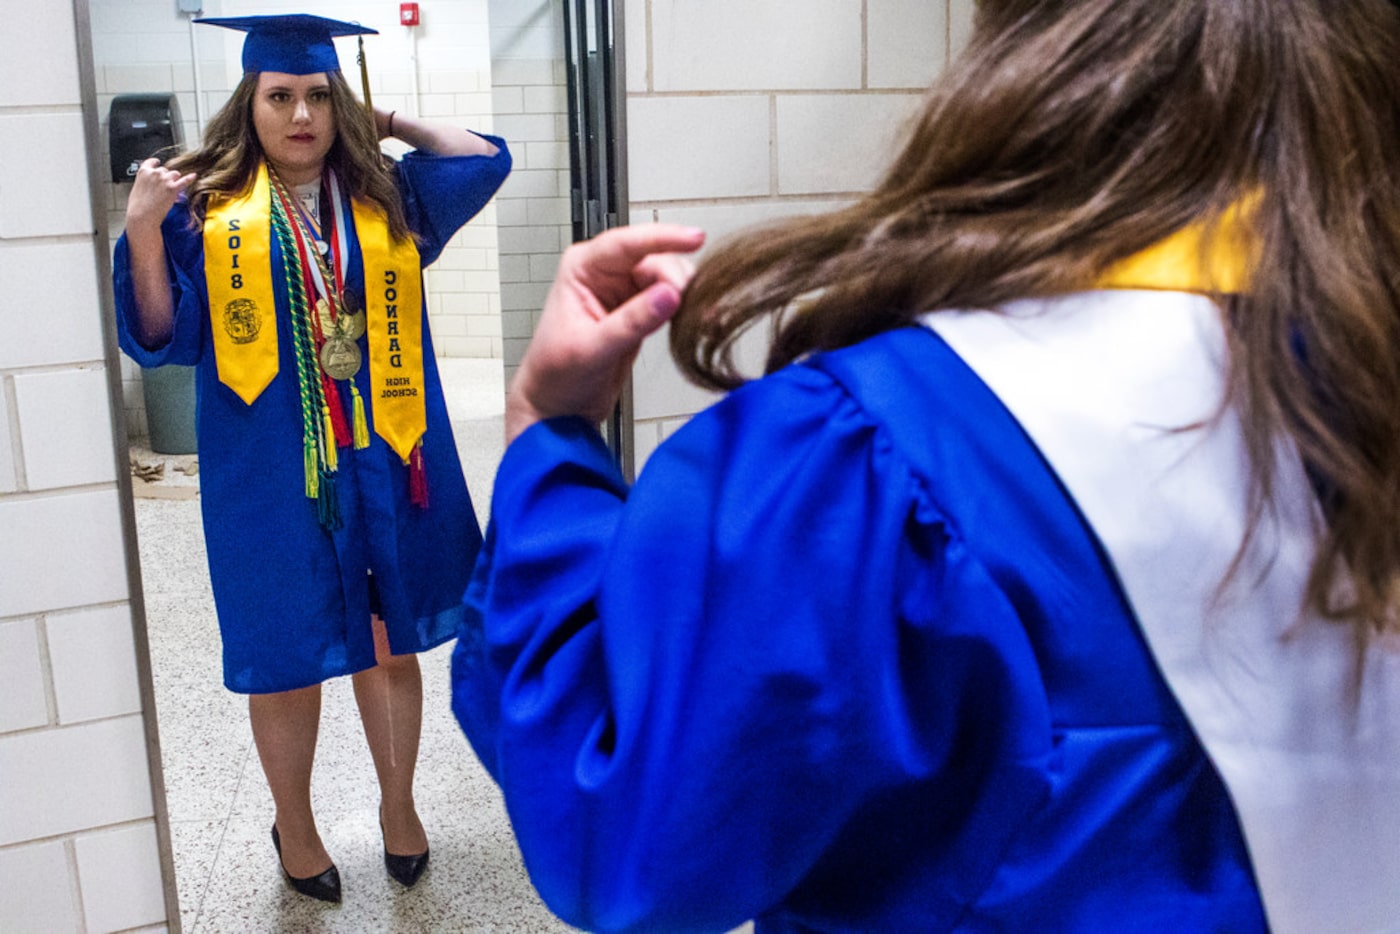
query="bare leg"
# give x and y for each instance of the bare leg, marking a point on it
(284, 728)
(390, 696)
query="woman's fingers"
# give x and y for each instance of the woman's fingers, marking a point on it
(153, 191)
(625, 247)
(623, 331)
(607, 265)
(610, 293)
(671, 268)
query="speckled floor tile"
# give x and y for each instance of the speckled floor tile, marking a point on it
(205, 757)
(170, 539)
(197, 842)
(479, 445)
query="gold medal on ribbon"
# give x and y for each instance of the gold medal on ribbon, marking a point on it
(323, 316)
(351, 326)
(340, 357)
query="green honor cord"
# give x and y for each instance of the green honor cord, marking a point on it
(320, 475)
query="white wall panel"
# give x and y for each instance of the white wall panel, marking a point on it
(733, 45)
(61, 551)
(21, 679)
(49, 312)
(93, 658)
(119, 873)
(74, 778)
(855, 135)
(38, 895)
(31, 74)
(38, 194)
(698, 147)
(66, 427)
(907, 42)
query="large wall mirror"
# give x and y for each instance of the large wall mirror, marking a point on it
(526, 70)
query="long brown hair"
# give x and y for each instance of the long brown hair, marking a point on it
(228, 157)
(1072, 134)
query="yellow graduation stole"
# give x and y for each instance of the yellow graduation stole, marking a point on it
(1187, 261)
(238, 274)
(394, 328)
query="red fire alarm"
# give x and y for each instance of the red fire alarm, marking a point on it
(408, 14)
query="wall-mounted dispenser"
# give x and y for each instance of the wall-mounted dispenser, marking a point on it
(139, 126)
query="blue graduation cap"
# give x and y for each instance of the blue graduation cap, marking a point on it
(295, 44)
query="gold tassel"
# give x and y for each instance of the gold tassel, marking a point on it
(364, 78)
(361, 425)
(332, 462)
(312, 467)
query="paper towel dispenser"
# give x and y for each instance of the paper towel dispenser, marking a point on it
(140, 126)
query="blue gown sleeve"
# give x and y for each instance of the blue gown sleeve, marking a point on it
(689, 690)
(184, 259)
(441, 193)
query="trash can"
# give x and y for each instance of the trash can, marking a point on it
(169, 395)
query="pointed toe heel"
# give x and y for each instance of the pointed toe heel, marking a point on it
(325, 887)
(406, 869)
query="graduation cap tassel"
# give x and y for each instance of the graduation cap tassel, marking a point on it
(364, 76)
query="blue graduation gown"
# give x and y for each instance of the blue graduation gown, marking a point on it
(292, 598)
(846, 657)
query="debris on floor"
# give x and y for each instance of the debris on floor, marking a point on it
(147, 471)
(163, 476)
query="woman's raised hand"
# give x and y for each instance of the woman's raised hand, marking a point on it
(153, 191)
(609, 294)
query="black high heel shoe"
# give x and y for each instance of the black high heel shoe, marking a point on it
(325, 887)
(406, 870)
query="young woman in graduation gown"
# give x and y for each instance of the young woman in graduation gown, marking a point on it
(283, 259)
(1047, 580)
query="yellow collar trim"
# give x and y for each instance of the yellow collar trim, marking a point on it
(1212, 257)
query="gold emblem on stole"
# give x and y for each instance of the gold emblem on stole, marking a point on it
(242, 321)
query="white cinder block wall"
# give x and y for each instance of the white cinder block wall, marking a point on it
(739, 112)
(532, 209)
(148, 46)
(78, 838)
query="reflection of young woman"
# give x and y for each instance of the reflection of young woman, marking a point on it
(283, 258)
(1072, 610)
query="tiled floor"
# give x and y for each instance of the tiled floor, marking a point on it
(219, 806)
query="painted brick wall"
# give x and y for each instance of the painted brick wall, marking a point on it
(727, 127)
(532, 209)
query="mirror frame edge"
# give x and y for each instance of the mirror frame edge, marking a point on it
(111, 358)
(617, 143)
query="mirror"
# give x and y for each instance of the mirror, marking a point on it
(860, 67)
(492, 65)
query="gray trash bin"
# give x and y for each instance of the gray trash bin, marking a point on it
(169, 395)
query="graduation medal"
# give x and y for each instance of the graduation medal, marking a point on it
(340, 356)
